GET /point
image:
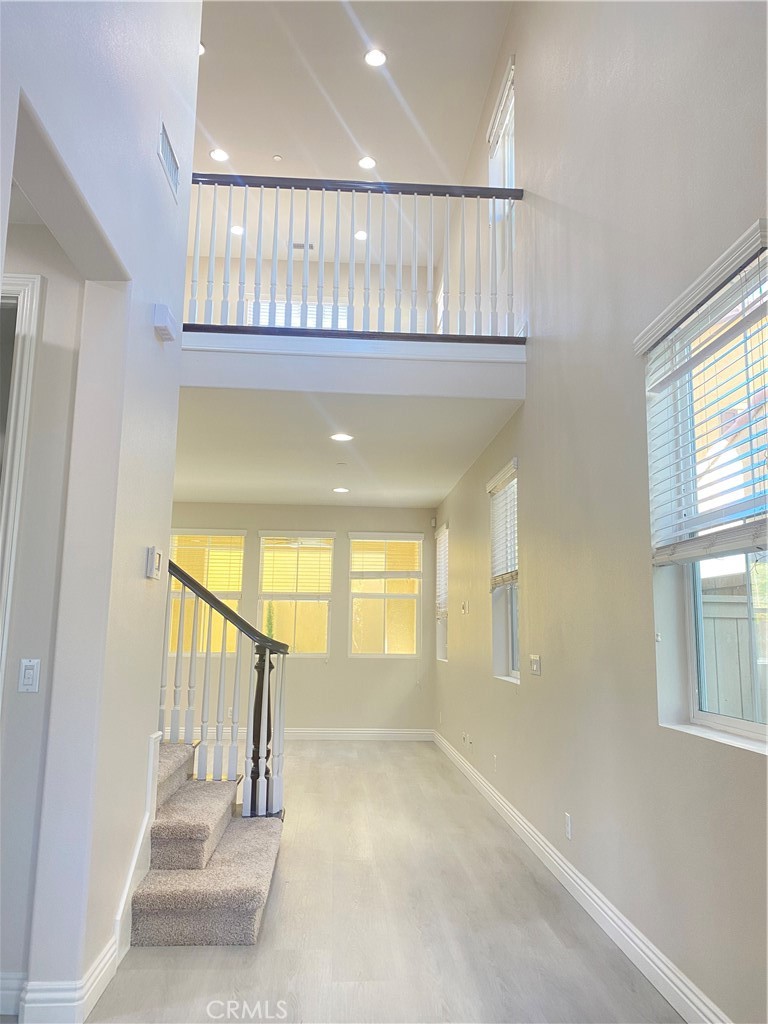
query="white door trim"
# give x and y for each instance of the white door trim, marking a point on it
(27, 289)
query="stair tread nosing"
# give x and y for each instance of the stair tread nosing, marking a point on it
(194, 811)
(237, 876)
(172, 757)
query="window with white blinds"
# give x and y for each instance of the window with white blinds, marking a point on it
(441, 592)
(216, 561)
(707, 426)
(503, 492)
(295, 580)
(385, 593)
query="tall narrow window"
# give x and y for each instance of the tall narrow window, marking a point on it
(295, 580)
(385, 586)
(216, 561)
(504, 595)
(501, 135)
(441, 593)
(707, 442)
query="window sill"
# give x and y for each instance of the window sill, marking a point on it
(732, 739)
(509, 679)
(443, 661)
(387, 657)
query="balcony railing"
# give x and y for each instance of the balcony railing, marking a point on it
(303, 256)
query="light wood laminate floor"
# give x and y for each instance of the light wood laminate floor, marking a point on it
(399, 896)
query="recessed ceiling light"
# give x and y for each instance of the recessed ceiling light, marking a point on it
(236, 229)
(375, 58)
(220, 155)
(277, 157)
(367, 163)
(361, 235)
(341, 437)
(201, 51)
(341, 490)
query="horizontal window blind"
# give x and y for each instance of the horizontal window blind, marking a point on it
(384, 558)
(296, 565)
(503, 492)
(707, 426)
(215, 560)
(441, 572)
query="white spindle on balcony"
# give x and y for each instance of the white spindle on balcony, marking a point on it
(227, 262)
(211, 258)
(273, 276)
(478, 269)
(399, 267)
(289, 267)
(336, 265)
(509, 215)
(259, 255)
(446, 322)
(430, 319)
(367, 277)
(383, 266)
(494, 325)
(320, 264)
(195, 276)
(241, 304)
(351, 263)
(462, 273)
(414, 322)
(304, 321)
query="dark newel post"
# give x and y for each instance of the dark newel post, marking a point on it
(264, 668)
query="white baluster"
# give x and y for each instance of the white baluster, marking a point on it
(176, 711)
(447, 268)
(510, 326)
(208, 315)
(415, 267)
(351, 287)
(289, 268)
(367, 275)
(305, 270)
(261, 782)
(189, 714)
(218, 750)
(399, 266)
(232, 764)
(227, 262)
(273, 274)
(462, 275)
(336, 260)
(256, 318)
(166, 656)
(320, 264)
(494, 324)
(275, 794)
(202, 750)
(248, 770)
(478, 273)
(430, 323)
(243, 253)
(195, 262)
(383, 264)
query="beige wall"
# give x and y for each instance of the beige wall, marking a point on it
(640, 142)
(339, 691)
(33, 250)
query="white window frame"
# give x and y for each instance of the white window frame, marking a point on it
(505, 603)
(678, 677)
(300, 595)
(441, 621)
(388, 575)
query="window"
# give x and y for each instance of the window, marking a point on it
(216, 561)
(441, 593)
(504, 594)
(707, 443)
(501, 135)
(385, 585)
(295, 586)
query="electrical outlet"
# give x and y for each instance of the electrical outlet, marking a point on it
(568, 826)
(535, 661)
(229, 714)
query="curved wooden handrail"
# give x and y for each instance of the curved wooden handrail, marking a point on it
(237, 620)
(382, 187)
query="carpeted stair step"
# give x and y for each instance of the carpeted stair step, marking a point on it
(190, 823)
(218, 906)
(175, 767)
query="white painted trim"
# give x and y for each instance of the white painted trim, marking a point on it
(68, 1002)
(141, 851)
(28, 291)
(399, 735)
(689, 1001)
(11, 985)
(723, 269)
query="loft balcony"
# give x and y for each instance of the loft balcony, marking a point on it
(368, 261)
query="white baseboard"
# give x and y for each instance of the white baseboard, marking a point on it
(689, 1001)
(421, 735)
(141, 851)
(11, 985)
(68, 1002)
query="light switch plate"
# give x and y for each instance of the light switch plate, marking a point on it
(535, 664)
(29, 675)
(154, 563)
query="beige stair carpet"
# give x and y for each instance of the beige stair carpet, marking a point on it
(174, 768)
(190, 823)
(220, 905)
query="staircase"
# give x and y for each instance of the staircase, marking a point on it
(210, 871)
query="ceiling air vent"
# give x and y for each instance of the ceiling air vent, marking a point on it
(168, 159)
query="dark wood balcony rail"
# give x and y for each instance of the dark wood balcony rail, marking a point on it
(367, 259)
